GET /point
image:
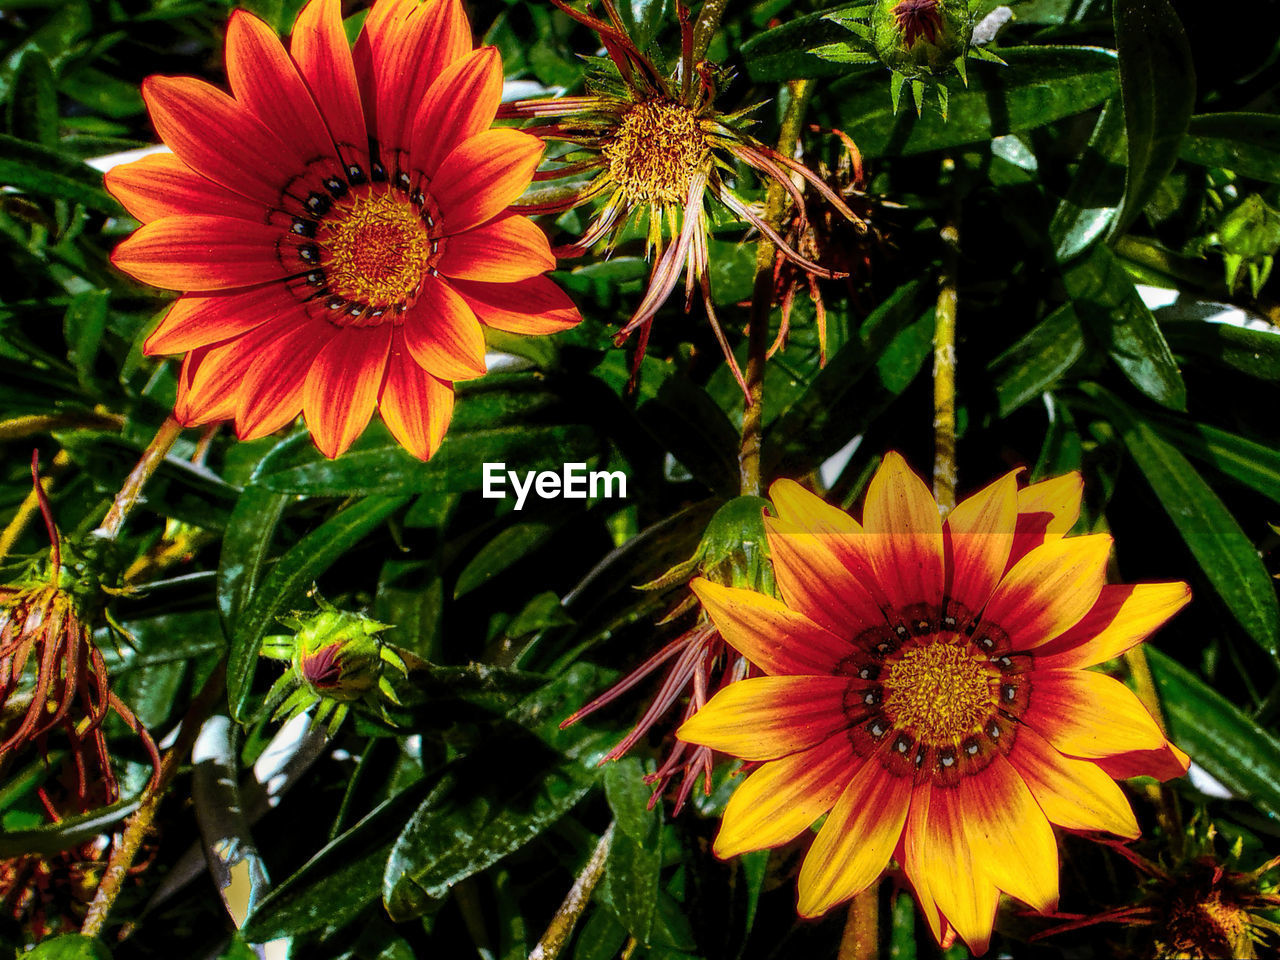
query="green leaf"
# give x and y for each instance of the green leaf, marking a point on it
(1039, 85)
(1245, 143)
(1253, 352)
(69, 946)
(1106, 299)
(290, 577)
(632, 872)
(1256, 465)
(1038, 359)
(1158, 86)
(1089, 209)
(846, 394)
(53, 838)
(472, 819)
(32, 111)
(1228, 558)
(1244, 756)
(785, 52)
(83, 326)
(691, 426)
(246, 545)
(31, 168)
(643, 19)
(508, 547)
(336, 884)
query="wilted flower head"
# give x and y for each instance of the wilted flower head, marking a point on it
(656, 148)
(339, 226)
(1202, 907)
(732, 551)
(336, 658)
(52, 677)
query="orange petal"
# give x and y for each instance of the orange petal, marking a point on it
(461, 102)
(1087, 714)
(1046, 511)
(1075, 794)
(161, 185)
(1049, 590)
(763, 718)
(483, 176)
(855, 842)
(501, 251)
(813, 581)
(200, 321)
(271, 395)
(779, 641)
(903, 535)
(1166, 762)
(783, 798)
(212, 378)
(341, 389)
(1009, 837)
(320, 49)
(940, 863)
(443, 334)
(201, 253)
(410, 46)
(219, 138)
(1124, 616)
(533, 306)
(415, 406)
(265, 80)
(978, 538)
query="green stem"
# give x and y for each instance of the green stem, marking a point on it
(944, 363)
(131, 492)
(575, 902)
(762, 296)
(861, 937)
(705, 27)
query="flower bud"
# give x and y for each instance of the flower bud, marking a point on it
(338, 654)
(920, 38)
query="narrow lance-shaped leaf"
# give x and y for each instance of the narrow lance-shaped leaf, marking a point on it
(1158, 85)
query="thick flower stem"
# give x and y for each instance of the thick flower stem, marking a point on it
(944, 364)
(135, 832)
(575, 902)
(706, 25)
(762, 300)
(131, 492)
(861, 937)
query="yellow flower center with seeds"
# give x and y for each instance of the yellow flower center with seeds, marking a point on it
(938, 691)
(375, 250)
(656, 151)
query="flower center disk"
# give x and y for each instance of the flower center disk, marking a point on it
(938, 691)
(656, 151)
(375, 250)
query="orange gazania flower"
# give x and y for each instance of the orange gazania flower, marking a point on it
(339, 225)
(927, 687)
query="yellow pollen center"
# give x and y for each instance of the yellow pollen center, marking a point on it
(375, 250)
(655, 152)
(938, 691)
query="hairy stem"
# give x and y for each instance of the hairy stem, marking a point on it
(861, 937)
(575, 902)
(944, 362)
(762, 300)
(135, 832)
(131, 492)
(706, 25)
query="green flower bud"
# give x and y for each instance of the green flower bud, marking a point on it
(338, 654)
(921, 38)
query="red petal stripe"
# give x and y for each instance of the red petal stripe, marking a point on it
(460, 103)
(415, 406)
(342, 386)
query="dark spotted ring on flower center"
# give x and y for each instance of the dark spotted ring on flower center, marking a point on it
(367, 246)
(936, 695)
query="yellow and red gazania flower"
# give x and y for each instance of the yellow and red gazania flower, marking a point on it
(339, 225)
(927, 687)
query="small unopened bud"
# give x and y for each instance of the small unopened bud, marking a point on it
(919, 38)
(339, 655)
